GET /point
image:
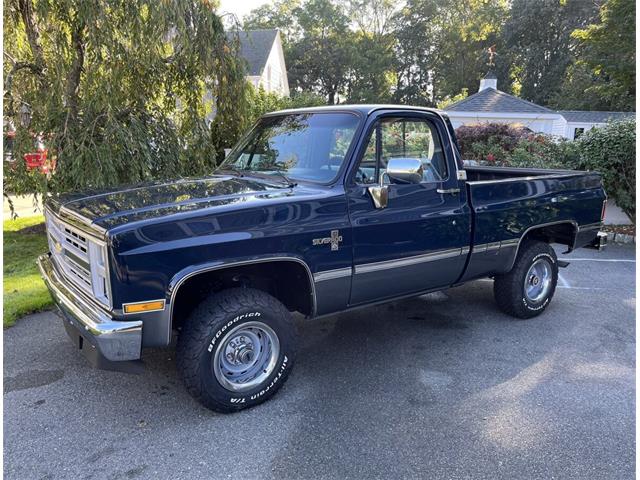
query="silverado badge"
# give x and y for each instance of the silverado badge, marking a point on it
(334, 240)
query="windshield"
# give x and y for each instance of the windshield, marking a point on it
(303, 146)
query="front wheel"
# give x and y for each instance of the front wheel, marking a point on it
(236, 350)
(527, 289)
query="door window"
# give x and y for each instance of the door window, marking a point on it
(402, 138)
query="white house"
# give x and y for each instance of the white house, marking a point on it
(262, 50)
(491, 105)
(575, 122)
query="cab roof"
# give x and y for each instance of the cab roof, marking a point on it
(365, 109)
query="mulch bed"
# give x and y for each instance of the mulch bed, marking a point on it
(624, 229)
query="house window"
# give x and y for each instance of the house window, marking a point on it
(577, 133)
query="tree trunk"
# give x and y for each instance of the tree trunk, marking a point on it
(32, 31)
(72, 87)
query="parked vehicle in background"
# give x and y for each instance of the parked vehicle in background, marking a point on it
(315, 211)
(36, 160)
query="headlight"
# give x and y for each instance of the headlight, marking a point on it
(99, 276)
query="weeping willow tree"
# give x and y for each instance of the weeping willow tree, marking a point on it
(119, 90)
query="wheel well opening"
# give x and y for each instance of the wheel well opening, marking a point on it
(562, 233)
(288, 281)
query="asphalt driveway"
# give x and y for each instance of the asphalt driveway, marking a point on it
(441, 386)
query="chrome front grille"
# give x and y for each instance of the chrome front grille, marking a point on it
(80, 258)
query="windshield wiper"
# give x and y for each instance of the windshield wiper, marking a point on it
(263, 174)
(228, 168)
(290, 183)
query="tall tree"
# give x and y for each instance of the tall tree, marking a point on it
(373, 16)
(608, 51)
(463, 33)
(372, 75)
(281, 14)
(321, 59)
(415, 52)
(538, 38)
(116, 87)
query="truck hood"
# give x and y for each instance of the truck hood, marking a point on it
(144, 202)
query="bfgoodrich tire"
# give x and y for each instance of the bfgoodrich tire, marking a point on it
(236, 349)
(527, 289)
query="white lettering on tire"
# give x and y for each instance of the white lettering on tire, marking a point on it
(229, 324)
(255, 396)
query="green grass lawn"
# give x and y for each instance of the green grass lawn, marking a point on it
(24, 290)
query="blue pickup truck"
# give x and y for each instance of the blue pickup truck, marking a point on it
(315, 211)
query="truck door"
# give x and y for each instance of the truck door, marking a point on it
(420, 240)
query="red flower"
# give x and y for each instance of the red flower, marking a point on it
(491, 158)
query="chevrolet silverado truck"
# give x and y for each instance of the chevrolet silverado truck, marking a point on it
(314, 211)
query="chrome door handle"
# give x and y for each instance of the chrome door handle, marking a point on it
(452, 191)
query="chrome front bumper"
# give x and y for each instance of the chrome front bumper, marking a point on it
(107, 338)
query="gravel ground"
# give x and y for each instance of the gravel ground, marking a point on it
(441, 386)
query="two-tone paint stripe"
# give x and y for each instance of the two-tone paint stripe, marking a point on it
(389, 264)
(425, 258)
(408, 261)
(493, 246)
(332, 274)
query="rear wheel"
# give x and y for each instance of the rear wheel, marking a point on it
(236, 349)
(527, 289)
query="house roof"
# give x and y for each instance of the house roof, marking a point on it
(580, 116)
(492, 100)
(255, 46)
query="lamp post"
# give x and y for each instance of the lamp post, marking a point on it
(25, 115)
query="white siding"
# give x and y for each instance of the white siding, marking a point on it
(560, 127)
(274, 75)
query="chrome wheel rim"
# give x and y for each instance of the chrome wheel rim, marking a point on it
(246, 356)
(537, 281)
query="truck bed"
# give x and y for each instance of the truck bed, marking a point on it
(506, 203)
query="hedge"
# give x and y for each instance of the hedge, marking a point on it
(612, 151)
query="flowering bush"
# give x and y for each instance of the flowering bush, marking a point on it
(490, 142)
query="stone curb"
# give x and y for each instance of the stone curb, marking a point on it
(620, 238)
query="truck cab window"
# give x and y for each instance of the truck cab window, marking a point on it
(303, 146)
(402, 138)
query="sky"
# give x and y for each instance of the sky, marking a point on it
(240, 7)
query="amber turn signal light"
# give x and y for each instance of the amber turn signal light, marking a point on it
(144, 306)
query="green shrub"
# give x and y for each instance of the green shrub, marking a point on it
(543, 151)
(611, 150)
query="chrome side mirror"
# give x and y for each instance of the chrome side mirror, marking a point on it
(405, 170)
